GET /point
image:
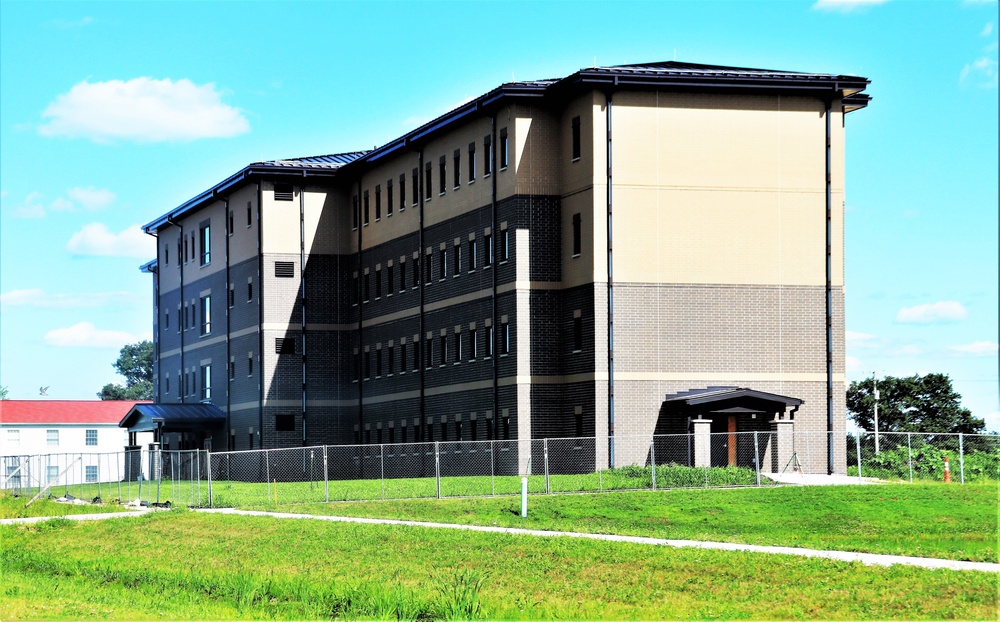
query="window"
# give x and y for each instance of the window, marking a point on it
(284, 423)
(489, 428)
(457, 168)
(166, 318)
(458, 348)
(52, 438)
(474, 428)
(472, 162)
(284, 345)
(356, 367)
(442, 174)
(284, 269)
(388, 198)
(166, 254)
(186, 316)
(505, 245)
(487, 155)
(402, 357)
(416, 272)
(429, 352)
(402, 434)
(504, 338)
(205, 234)
(443, 342)
(356, 211)
(427, 181)
(416, 355)
(206, 315)
(402, 192)
(185, 249)
(250, 364)
(390, 363)
(355, 291)
(232, 296)
(192, 247)
(577, 235)
(576, 138)
(282, 192)
(378, 362)
(458, 261)
(180, 384)
(443, 263)
(489, 339)
(415, 190)
(577, 332)
(378, 283)
(232, 369)
(91, 438)
(429, 268)
(230, 222)
(166, 383)
(51, 474)
(578, 415)
(367, 293)
(13, 438)
(402, 277)
(367, 218)
(206, 382)
(488, 250)
(368, 364)
(473, 254)
(504, 153)
(249, 291)
(249, 215)
(389, 280)
(473, 344)
(378, 202)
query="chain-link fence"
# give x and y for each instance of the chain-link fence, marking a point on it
(269, 478)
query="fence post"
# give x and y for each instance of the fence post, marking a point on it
(208, 463)
(756, 457)
(99, 476)
(267, 475)
(493, 453)
(545, 451)
(600, 472)
(652, 459)
(119, 474)
(961, 457)
(909, 455)
(857, 446)
(382, 468)
(437, 467)
(326, 475)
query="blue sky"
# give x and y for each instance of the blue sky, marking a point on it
(113, 113)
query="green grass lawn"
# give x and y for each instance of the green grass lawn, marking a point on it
(947, 522)
(186, 565)
(14, 507)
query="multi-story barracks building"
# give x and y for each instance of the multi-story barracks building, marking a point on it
(589, 256)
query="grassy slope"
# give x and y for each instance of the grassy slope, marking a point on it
(949, 522)
(13, 507)
(186, 565)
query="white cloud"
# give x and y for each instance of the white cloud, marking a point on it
(95, 239)
(853, 365)
(977, 348)
(987, 30)
(981, 73)
(844, 6)
(142, 110)
(38, 298)
(908, 350)
(90, 197)
(66, 24)
(944, 311)
(992, 420)
(86, 335)
(860, 340)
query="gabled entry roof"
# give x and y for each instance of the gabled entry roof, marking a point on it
(733, 400)
(171, 417)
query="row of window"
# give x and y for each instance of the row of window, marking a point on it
(438, 350)
(187, 383)
(432, 430)
(199, 244)
(363, 206)
(455, 262)
(51, 438)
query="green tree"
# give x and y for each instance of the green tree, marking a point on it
(135, 363)
(4, 393)
(916, 403)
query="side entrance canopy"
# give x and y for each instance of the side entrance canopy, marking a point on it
(191, 420)
(703, 403)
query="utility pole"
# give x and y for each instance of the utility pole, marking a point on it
(875, 383)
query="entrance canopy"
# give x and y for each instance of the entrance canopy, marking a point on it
(163, 418)
(731, 401)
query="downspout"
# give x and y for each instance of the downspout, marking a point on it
(156, 323)
(260, 315)
(494, 230)
(361, 303)
(611, 301)
(829, 300)
(229, 353)
(302, 296)
(180, 266)
(422, 269)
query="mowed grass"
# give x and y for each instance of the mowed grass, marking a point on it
(186, 565)
(15, 507)
(946, 522)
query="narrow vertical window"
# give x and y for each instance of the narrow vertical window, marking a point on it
(366, 209)
(390, 363)
(487, 155)
(232, 296)
(458, 260)
(443, 264)
(444, 349)
(458, 348)
(250, 364)
(504, 151)
(428, 268)
(356, 367)
(489, 340)
(368, 287)
(416, 272)
(505, 245)
(389, 280)
(504, 338)
(402, 277)
(206, 382)
(416, 354)
(356, 211)
(577, 235)
(577, 332)
(472, 162)
(368, 364)
(473, 254)
(488, 250)
(402, 192)
(402, 357)
(473, 344)
(415, 190)
(457, 167)
(166, 254)
(429, 352)
(355, 291)
(378, 283)
(388, 198)
(230, 232)
(378, 363)
(576, 138)
(166, 319)
(249, 291)
(442, 174)
(427, 181)
(232, 369)
(206, 315)
(378, 202)
(249, 215)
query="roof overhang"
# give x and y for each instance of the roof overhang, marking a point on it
(173, 417)
(732, 400)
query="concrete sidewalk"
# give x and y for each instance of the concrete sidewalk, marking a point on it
(92, 516)
(870, 559)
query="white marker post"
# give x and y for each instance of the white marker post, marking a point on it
(524, 497)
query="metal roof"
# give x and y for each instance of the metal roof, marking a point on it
(332, 161)
(143, 417)
(713, 395)
(66, 412)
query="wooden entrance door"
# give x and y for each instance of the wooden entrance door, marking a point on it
(731, 440)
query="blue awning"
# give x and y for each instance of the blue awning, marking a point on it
(168, 417)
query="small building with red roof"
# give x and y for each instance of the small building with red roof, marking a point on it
(33, 427)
